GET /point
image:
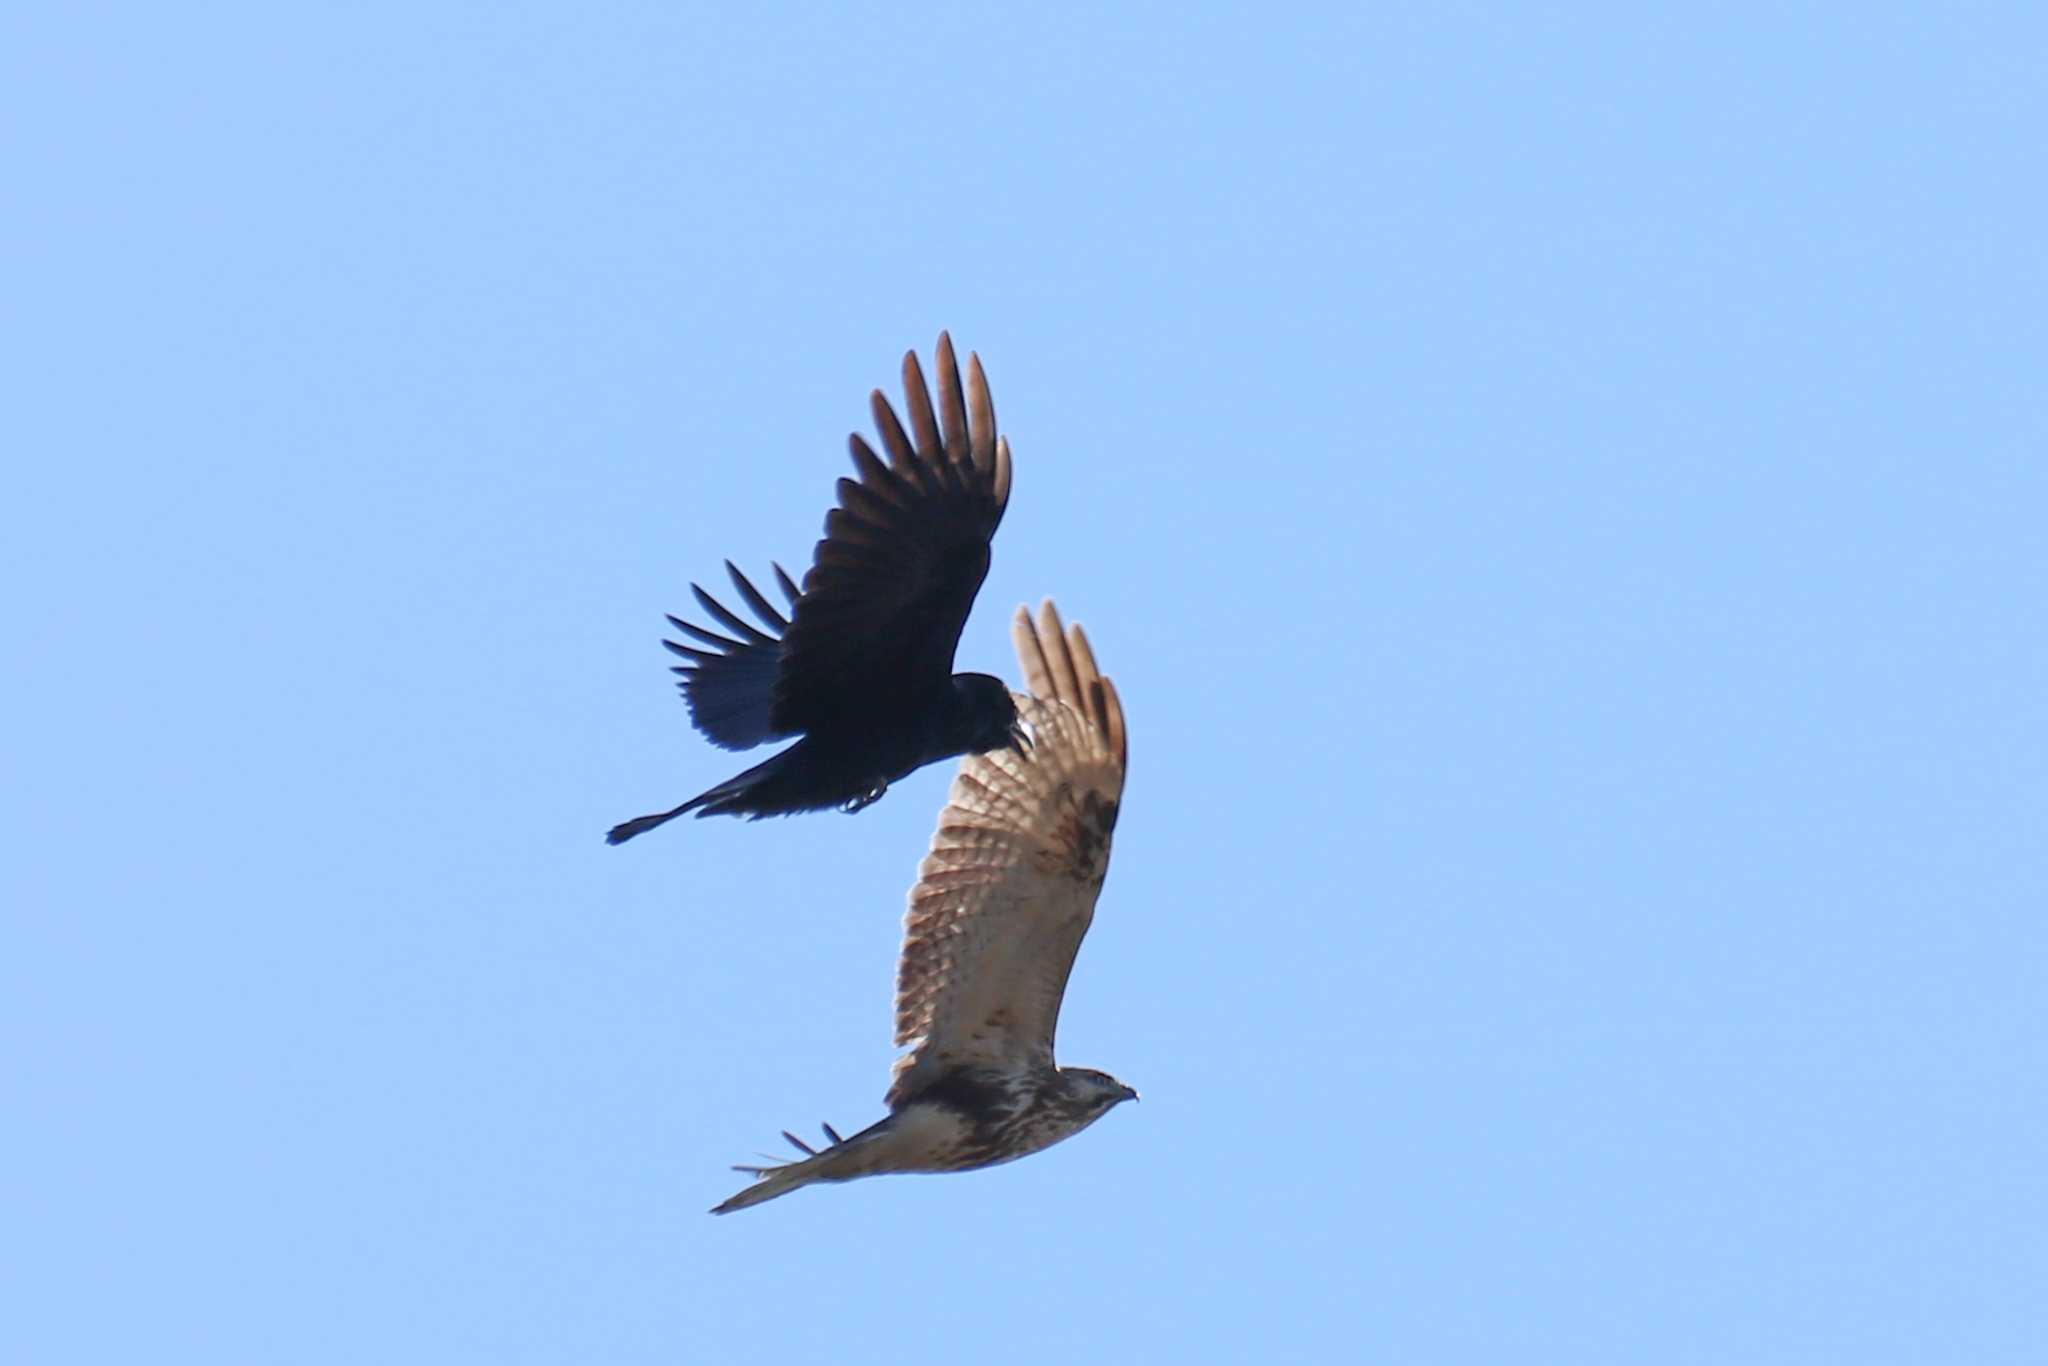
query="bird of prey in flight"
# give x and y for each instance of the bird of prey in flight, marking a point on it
(998, 912)
(862, 667)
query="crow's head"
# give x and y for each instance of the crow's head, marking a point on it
(986, 714)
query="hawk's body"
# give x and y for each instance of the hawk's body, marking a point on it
(999, 910)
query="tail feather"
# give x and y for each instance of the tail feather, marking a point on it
(640, 825)
(842, 1160)
(752, 793)
(774, 1181)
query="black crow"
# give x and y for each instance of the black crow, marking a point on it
(862, 668)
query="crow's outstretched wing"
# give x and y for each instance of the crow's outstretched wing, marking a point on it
(1009, 887)
(729, 681)
(904, 553)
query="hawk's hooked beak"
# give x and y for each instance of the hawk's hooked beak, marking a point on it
(1130, 1093)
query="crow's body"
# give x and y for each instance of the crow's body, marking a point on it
(862, 667)
(851, 765)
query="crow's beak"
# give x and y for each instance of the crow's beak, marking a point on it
(1020, 739)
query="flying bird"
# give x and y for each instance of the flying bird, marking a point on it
(862, 666)
(997, 915)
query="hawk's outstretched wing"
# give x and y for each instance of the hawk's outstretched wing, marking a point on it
(1009, 887)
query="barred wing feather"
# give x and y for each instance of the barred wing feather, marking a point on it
(1009, 888)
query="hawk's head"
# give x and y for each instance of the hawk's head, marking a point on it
(1091, 1093)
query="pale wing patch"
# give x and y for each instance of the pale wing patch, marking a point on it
(1008, 889)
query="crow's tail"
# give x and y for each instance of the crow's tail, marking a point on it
(752, 793)
(640, 825)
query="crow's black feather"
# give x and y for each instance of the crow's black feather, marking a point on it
(862, 667)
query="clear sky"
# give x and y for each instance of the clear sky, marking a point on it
(1561, 492)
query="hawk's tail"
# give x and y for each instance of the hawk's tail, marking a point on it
(842, 1160)
(774, 1181)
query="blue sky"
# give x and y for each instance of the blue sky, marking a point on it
(1561, 493)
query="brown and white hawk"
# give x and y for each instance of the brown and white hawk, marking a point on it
(1000, 906)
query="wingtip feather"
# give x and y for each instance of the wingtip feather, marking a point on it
(952, 403)
(981, 413)
(917, 398)
(1059, 665)
(1002, 479)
